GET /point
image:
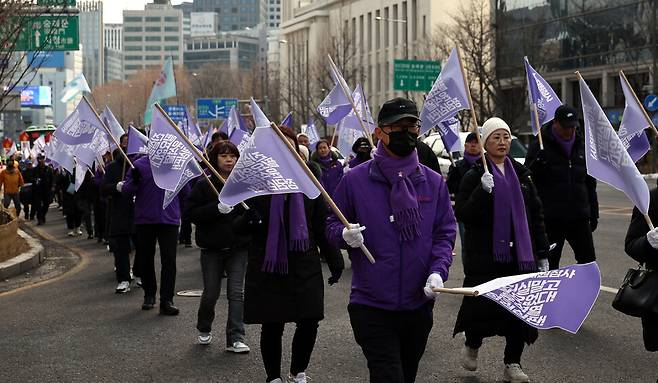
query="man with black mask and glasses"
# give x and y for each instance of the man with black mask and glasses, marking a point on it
(400, 210)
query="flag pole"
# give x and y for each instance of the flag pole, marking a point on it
(536, 115)
(196, 151)
(107, 130)
(474, 117)
(333, 136)
(653, 127)
(351, 100)
(317, 183)
(457, 291)
(648, 219)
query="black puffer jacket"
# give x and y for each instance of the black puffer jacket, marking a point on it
(213, 230)
(566, 191)
(456, 173)
(121, 208)
(427, 157)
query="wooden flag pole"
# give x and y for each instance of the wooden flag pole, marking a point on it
(470, 105)
(196, 151)
(317, 183)
(333, 136)
(653, 127)
(107, 130)
(536, 115)
(648, 219)
(457, 291)
(351, 100)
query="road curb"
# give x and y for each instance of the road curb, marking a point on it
(25, 261)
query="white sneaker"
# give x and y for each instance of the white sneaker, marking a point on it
(71, 233)
(514, 374)
(79, 232)
(123, 287)
(238, 347)
(277, 380)
(138, 281)
(205, 338)
(469, 358)
(300, 378)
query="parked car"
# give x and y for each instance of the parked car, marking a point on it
(517, 150)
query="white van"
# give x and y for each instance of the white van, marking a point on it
(517, 150)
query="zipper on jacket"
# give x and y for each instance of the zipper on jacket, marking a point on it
(400, 281)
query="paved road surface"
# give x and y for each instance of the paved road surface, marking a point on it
(75, 329)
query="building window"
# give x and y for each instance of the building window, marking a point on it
(395, 26)
(171, 38)
(132, 48)
(152, 19)
(378, 84)
(171, 29)
(386, 24)
(152, 38)
(153, 48)
(369, 31)
(153, 58)
(361, 35)
(171, 19)
(377, 30)
(152, 29)
(405, 26)
(171, 48)
(133, 29)
(133, 58)
(134, 67)
(133, 38)
(132, 19)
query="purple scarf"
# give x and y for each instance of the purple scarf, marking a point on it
(403, 200)
(471, 159)
(509, 212)
(325, 161)
(566, 145)
(276, 249)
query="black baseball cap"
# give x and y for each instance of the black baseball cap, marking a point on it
(567, 116)
(397, 109)
(361, 142)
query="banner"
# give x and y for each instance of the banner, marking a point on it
(266, 166)
(74, 88)
(191, 129)
(449, 132)
(167, 151)
(351, 121)
(137, 142)
(335, 105)
(163, 88)
(113, 126)
(633, 123)
(559, 298)
(80, 126)
(543, 95)
(192, 171)
(447, 97)
(311, 132)
(605, 156)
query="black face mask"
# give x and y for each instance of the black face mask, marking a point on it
(363, 155)
(402, 143)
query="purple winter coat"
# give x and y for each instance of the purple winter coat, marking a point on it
(396, 280)
(149, 197)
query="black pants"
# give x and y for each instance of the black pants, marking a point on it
(120, 246)
(514, 345)
(185, 235)
(100, 209)
(72, 212)
(393, 342)
(579, 236)
(165, 235)
(41, 200)
(650, 332)
(26, 199)
(85, 207)
(302, 346)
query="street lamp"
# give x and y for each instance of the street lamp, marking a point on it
(406, 39)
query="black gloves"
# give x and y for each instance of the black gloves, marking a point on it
(335, 276)
(137, 176)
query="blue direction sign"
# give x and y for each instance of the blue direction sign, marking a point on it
(175, 112)
(651, 103)
(214, 108)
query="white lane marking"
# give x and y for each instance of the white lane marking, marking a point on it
(609, 289)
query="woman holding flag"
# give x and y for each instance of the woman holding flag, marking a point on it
(284, 280)
(218, 256)
(504, 235)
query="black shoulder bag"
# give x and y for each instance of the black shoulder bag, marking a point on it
(638, 293)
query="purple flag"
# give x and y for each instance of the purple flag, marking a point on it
(351, 120)
(208, 136)
(346, 138)
(287, 121)
(633, 123)
(233, 121)
(223, 128)
(192, 170)
(80, 174)
(80, 126)
(266, 166)
(606, 158)
(447, 97)
(543, 95)
(240, 138)
(312, 133)
(190, 128)
(137, 142)
(449, 132)
(559, 298)
(61, 154)
(167, 152)
(336, 105)
(92, 151)
(112, 125)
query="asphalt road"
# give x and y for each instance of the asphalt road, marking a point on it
(75, 329)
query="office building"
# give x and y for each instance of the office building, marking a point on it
(235, 14)
(113, 36)
(91, 41)
(229, 50)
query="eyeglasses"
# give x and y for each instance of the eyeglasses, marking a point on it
(413, 128)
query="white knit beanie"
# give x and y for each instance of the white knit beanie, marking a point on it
(304, 151)
(491, 125)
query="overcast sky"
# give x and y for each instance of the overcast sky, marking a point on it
(113, 9)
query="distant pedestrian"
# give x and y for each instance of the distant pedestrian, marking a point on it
(642, 246)
(567, 192)
(222, 251)
(275, 295)
(401, 212)
(43, 188)
(504, 235)
(362, 149)
(66, 186)
(26, 191)
(332, 169)
(11, 181)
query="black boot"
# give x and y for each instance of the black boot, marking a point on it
(168, 308)
(149, 303)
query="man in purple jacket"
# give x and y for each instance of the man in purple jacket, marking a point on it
(411, 231)
(152, 223)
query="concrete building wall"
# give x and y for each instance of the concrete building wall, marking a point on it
(91, 40)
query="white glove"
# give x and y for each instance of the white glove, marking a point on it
(119, 186)
(542, 265)
(353, 236)
(487, 182)
(224, 208)
(434, 280)
(652, 237)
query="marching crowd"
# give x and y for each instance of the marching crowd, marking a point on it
(398, 205)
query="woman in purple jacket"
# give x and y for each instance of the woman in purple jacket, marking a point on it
(410, 232)
(332, 169)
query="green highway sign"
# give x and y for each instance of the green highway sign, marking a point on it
(415, 75)
(49, 33)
